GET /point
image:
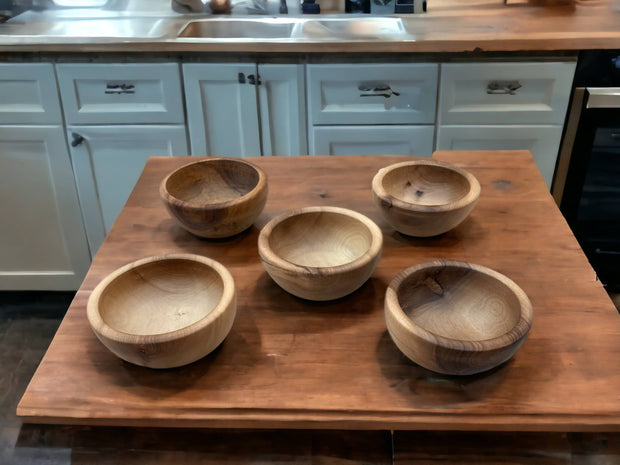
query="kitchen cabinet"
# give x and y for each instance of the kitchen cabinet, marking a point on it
(372, 109)
(542, 141)
(42, 241)
(108, 160)
(43, 244)
(117, 116)
(245, 109)
(505, 106)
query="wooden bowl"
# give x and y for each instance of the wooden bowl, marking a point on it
(215, 197)
(456, 318)
(320, 253)
(424, 198)
(164, 312)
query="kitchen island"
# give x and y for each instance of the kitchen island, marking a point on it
(318, 367)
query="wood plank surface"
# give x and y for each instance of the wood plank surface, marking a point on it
(452, 26)
(290, 363)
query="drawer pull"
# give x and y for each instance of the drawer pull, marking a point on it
(503, 87)
(120, 89)
(380, 90)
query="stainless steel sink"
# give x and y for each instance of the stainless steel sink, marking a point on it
(321, 28)
(247, 28)
(353, 28)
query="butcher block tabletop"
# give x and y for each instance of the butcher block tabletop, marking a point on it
(291, 363)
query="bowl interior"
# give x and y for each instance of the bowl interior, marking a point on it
(160, 297)
(426, 184)
(459, 303)
(320, 239)
(212, 181)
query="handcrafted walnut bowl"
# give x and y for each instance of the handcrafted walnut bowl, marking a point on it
(215, 197)
(164, 312)
(320, 253)
(456, 318)
(424, 198)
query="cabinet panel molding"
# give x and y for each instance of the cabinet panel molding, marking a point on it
(505, 93)
(121, 93)
(28, 94)
(403, 93)
(541, 141)
(372, 140)
(282, 109)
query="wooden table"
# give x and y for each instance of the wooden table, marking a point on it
(289, 363)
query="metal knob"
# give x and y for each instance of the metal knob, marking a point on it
(380, 90)
(503, 87)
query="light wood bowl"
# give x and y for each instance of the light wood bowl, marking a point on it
(216, 197)
(320, 253)
(456, 318)
(424, 198)
(164, 312)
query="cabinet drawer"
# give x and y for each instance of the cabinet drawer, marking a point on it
(28, 94)
(372, 93)
(121, 93)
(505, 93)
(372, 140)
(542, 141)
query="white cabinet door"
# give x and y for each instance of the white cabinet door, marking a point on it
(108, 161)
(222, 112)
(372, 140)
(281, 98)
(42, 240)
(541, 141)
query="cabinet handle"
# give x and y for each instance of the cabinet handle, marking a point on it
(379, 90)
(503, 87)
(120, 89)
(254, 81)
(77, 139)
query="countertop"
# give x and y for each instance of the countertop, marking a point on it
(451, 26)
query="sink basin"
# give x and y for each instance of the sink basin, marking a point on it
(353, 28)
(295, 28)
(263, 28)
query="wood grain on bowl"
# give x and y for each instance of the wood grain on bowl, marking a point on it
(320, 253)
(456, 318)
(164, 311)
(215, 197)
(424, 198)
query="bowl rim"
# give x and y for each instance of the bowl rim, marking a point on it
(516, 333)
(268, 255)
(472, 195)
(261, 184)
(101, 327)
